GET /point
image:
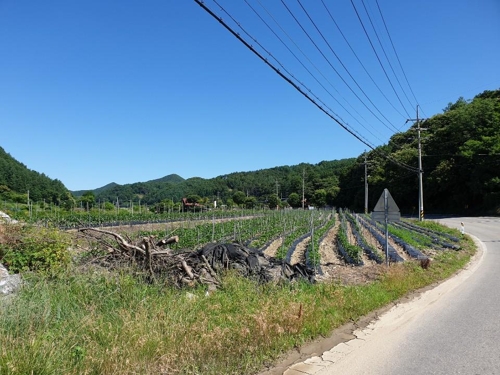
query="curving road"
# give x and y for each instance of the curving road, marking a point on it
(451, 329)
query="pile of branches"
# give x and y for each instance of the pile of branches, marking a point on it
(188, 268)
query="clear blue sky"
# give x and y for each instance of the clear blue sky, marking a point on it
(93, 92)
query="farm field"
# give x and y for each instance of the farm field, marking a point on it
(338, 245)
(93, 319)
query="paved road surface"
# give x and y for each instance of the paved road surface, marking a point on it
(451, 329)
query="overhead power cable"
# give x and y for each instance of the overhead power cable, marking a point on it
(297, 87)
(304, 66)
(266, 61)
(385, 54)
(318, 70)
(396, 53)
(330, 64)
(298, 84)
(345, 68)
(359, 60)
(378, 58)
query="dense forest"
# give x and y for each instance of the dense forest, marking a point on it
(460, 162)
(320, 183)
(17, 182)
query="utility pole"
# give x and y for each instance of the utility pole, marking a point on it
(366, 185)
(420, 170)
(277, 196)
(303, 178)
(420, 173)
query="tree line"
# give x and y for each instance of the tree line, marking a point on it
(460, 161)
(460, 158)
(18, 183)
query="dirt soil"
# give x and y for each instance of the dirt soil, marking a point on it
(2, 235)
(333, 266)
(273, 247)
(299, 255)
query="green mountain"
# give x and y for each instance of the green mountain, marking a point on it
(17, 181)
(460, 159)
(79, 193)
(318, 182)
(171, 178)
(460, 162)
(113, 187)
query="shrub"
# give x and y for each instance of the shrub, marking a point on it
(29, 248)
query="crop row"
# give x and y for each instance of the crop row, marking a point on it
(258, 229)
(75, 219)
(313, 256)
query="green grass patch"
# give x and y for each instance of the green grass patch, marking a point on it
(30, 248)
(96, 322)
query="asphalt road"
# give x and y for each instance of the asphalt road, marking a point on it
(461, 333)
(452, 329)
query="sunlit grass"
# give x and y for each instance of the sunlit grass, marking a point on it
(95, 322)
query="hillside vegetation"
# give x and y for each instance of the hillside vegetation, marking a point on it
(460, 158)
(16, 180)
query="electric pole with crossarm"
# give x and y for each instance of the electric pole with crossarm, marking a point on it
(420, 170)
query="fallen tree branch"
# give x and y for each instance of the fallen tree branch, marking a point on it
(194, 267)
(124, 245)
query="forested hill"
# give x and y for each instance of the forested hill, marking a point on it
(460, 160)
(16, 180)
(320, 182)
(136, 188)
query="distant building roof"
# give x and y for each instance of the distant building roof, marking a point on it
(186, 203)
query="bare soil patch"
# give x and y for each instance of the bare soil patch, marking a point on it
(371, 240)
(2, 234)
(299, 255)
(335, 268)
(273, 247)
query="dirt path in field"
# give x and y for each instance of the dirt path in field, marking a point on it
(334, 267)
(273, 247)
(328, 249)
(299, 255)
(367, 262)
(169, 227)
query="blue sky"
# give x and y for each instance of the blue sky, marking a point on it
(93, 92)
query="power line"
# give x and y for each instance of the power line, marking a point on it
(397, 56)
(297, 87)
(378, 58)
(329, 63)
(266, 61)
(277, 61)
(383, 50)
(303, 65)
(341, 63)
(319, 71)
(359, 60)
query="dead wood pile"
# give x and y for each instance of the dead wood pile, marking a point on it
(188, 268)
